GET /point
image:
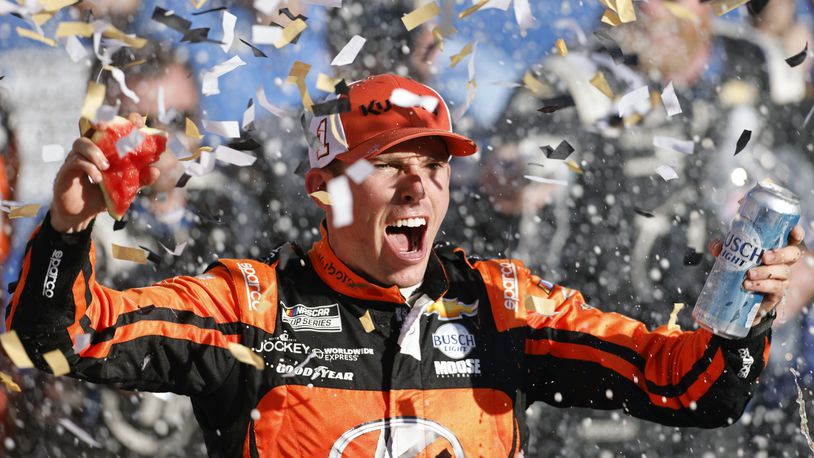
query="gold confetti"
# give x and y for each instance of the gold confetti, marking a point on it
(134, 63)
(56, 5)
(367, 322)
(625, 10)
(655, 99)
(598, 81)
(611, 18)
(290, 32)
(265, 303)
(574, 167)
(534, 85)
(93, 100)
(24, 211)
(132, 40)
(125, 253)
(682, 12)
(14, 349)
(25, 33)
(68, 28)
(327, 83)
(9, 382)
(472, 9)
(738, 92)
(671, 323)
(561, 48)
(542, 305)
(322, 196)
(197, 5)
(42, 18)
(297, 76)
(246, 355)
(197, 153)
(721, 7)
(57, 362)
(457, 58)
(438, 38)
(191, 130)
(420, 15)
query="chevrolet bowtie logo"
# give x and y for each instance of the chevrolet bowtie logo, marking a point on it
(451, 309)
(375, 108)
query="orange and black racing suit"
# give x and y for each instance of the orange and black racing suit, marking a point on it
(351, 369)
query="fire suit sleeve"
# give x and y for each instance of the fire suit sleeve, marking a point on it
(577, 355)
(171, 336)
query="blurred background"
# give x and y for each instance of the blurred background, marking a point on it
(654, 106)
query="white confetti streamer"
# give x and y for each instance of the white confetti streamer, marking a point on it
(522, 12)
(209, 85)
(666, 172)
(328, 3)
(118, 75)
(263, 101)
(341, 201)
(233, 156)
(266, 34)
(359, 171)
(634, 102)
(248, 115)
(546, 180)
(674, 144)
(803, 417)
(404, 98)
(178, 248)
(670, 100)
(229, 21)
(228, 129)
(79, 432)
(53, 153)
(129, 142)
(349, 51)
(75, 49)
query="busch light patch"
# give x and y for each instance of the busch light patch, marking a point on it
(742, 248)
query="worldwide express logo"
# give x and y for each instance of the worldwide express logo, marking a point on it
(324, 318)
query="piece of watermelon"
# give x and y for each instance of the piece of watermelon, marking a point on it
(121, 180)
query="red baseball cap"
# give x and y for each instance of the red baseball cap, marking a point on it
(385, 110)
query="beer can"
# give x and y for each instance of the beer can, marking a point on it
(767, 214)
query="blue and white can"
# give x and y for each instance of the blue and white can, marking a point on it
(767, 214)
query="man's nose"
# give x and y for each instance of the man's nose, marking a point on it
(411, 186)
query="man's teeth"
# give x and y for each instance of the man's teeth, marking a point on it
(410, 222)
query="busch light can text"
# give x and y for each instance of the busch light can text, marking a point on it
(766, 216)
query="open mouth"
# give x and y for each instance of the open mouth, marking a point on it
(406, 236)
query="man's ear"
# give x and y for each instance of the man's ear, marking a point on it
(317, 180)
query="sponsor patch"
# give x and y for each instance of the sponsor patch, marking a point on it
(460, 368)
(453, 340)
(319, 372)
(252, 283)
(323, 318)
(747, 360)
(508, 280)
(451, 309)
(51, 274)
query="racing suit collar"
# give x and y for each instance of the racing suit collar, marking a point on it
(342, 279)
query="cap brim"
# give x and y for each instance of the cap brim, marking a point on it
(457, 145)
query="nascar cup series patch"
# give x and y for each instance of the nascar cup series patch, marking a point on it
(323, 318)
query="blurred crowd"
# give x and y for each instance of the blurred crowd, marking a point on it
(598, 217)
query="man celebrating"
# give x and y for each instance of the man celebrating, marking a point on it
(374, 342)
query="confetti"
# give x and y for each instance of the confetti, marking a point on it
(210, 77)
(359, 170)
(53, 153)
(721, 7)
(228, 129)
(118, 75)
(75, 49)
(670, 100)
(255, 50)
(457, 58)
(610, 46)
(267, 7)
(263, 101)
(406, 99)
(69, 29)
(121, 224)
(682, 12)
(81, 342)
(743, 140)
(472, 9)
(334, 106)
(349, 51)
(14, 350)
(328, 3)
(808, 116)
(57, 362)
(55, 5)
(152, 256)
(756, 6)
(611, 18)
(130, 40)
(541, 305)
(246, 355)
(290, 32)
(645, 213)
(248, 116)
(129, 142)
(30, 34)
(199, 35)
(299, 70)
(178, 248)
(327, 83)
(24, 211)
(79, 432)
(598, 81)
(671, 323)
(322, 196)
(563, 150)
(798, 58)
(545, 180)
(233, 156)
(229, 21)
(692, 257)
(471, 87)
(210, 10)
(367, 322)
(266, 34)
(666, 172)
(342, 88)
(9, 383)
(625, 10)
(420, 15)
(183, 180)
(674, 144)
(802, 411)
(562, 49)
(287, 13)
(574, 167)
(341, 201)
(128, 253)
(556, 103)
(634, 102)
(191, 130)
(522, 14)
(171, 20)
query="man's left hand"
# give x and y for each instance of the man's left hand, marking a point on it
(772, 276)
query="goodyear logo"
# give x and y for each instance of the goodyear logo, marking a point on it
(452, 309)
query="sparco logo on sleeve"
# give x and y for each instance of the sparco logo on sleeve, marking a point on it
(253, 292)
(508, 278)
(324, 318)
(51, 275)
